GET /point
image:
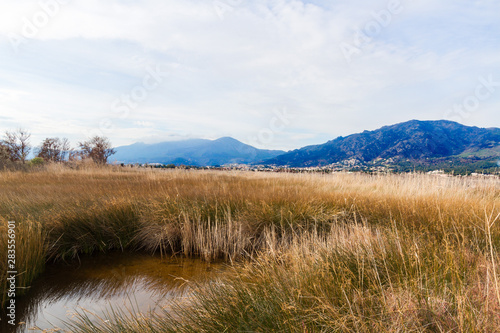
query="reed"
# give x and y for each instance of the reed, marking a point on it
(30, 242)
(352, 280)
(339, 252)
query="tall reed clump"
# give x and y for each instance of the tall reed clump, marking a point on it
(99, 227)
(225, 226)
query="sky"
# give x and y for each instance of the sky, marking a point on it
(276, 74)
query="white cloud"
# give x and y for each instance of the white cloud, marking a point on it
(227, 73)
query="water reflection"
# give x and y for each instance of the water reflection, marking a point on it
(96, 283)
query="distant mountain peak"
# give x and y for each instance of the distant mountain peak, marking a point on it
(198, 152)
(228, 139)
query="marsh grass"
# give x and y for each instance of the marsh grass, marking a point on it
(30, 254)
(353, 279)
(340, 252)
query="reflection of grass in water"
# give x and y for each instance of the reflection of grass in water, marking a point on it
(115, 319)
(115, 276)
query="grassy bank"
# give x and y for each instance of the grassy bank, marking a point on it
(351, 280)
(340, 252)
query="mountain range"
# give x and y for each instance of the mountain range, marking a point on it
(412, 140)
(195, 152)
(418, 141)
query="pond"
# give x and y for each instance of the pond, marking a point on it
(118, 280)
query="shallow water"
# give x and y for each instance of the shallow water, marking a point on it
(118, 280)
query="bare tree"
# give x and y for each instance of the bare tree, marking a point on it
(17, 145)
(97, 148)
(54, 149)
(11, 146)
(75, 155)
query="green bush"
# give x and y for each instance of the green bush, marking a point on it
(37, 161)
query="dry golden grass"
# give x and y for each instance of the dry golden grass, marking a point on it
(350, 252)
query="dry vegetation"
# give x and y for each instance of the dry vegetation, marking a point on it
(324, 253)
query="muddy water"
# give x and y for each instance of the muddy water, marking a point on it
(136, 281)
